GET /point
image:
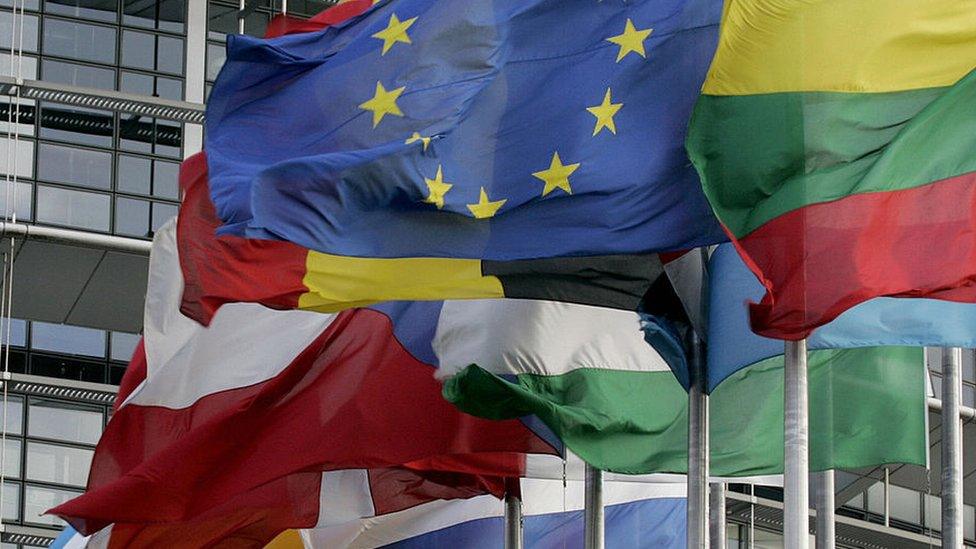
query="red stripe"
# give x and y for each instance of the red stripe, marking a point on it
(821, 260)
(283, 24)
(353, 399)
(228, 268)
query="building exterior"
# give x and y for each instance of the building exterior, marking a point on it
(101, 99)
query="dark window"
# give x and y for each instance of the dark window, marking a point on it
(77, 125)
(67, 368)
(167, 15)
(79, 40)
(96, 10)
(222, 20)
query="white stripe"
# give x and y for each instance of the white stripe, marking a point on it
(515, 336)
(345, 496)
(245, 343)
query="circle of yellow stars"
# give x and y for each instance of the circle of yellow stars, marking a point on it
(557, 175)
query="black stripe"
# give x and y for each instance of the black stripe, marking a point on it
(616, 281)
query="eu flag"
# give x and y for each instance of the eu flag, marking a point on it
(494, 130)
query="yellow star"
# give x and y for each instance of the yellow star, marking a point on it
(631, 40)
(395, 32)
(383, 103)
(486, 208)
(557, 176)
(604, 114)
(417, 137)
(438, 188)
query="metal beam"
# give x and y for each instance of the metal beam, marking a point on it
(952, 503)
(156, 107)
(55, 235)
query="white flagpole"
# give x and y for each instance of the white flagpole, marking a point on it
(824, 504)
(697, 450)
(796, 489)
(513, 516)
(952, 506)
(716, 512)
(593, 527)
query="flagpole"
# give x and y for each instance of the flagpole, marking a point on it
(824, 505)
(513, 515)
(716, 512)
(593, 508)
(952, 505)
(697, 450)
(796, 489)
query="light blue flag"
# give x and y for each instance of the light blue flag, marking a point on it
(880, 321)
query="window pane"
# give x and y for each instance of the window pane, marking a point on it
(58, 464)
(73, 208)
(161, 213)
(131, 217)
(21, 197)
(64, 367)
(255, 23)
(77, 125)
(137, 83)
(15, 415)
(969, 396)
(79, 40)
(169, 88)
(28, 4)
(64, 421)
(169, 138)
(30, 31)
(905, 504)
(222, 21)
(933, 512)
(11, 500)
(78, 75)
(38, 500)
(24, 163)
(96, 10)
(134, 174)
(27, 65)
(123, 345)
(166, 179)
(72, 340)
(170, 55)
(11, 458)
(18, 332)
(876, 498)
(215, 59)
(167, 15)
(138, 50)
(82, 167)
(969, 521)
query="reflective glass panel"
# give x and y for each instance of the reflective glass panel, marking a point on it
(11, 458)
(216, 55)
(15, 415)
(969, 396)
(79, 40)
(161, 213)
(77, 125)
(27, 66)
(27, 4)
(82, 167)
(23, 165)
(75, 74)
(131, 217)
(63, 421)
(166, 179)
(169, 88)
(72, 340)
(96, 10)
(30, 32)
(138, 50)
(18, 332)
(73, 208)
(933, 512)
(222, 20)
(123, 345)
(134, 175)
(905, 504)
(169, 58)
(58, 464)
(969, 521)
(145, 84)
(37, 500)
(168, 15)
(22, 198)
(11, 500)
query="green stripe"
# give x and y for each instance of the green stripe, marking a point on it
(867, 408)
(761, 156)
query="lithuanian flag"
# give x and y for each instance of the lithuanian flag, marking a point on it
(836, 141)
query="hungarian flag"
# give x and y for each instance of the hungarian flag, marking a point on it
(835, 143)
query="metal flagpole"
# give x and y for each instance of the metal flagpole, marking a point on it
(825, 509)
(716, 512)
(952, 522)
(513, 515)
(593, 508)
(796, 489)
(697, 450)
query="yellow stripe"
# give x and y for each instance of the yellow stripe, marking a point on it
(770, 46)
(289, 539)
(337, 282)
